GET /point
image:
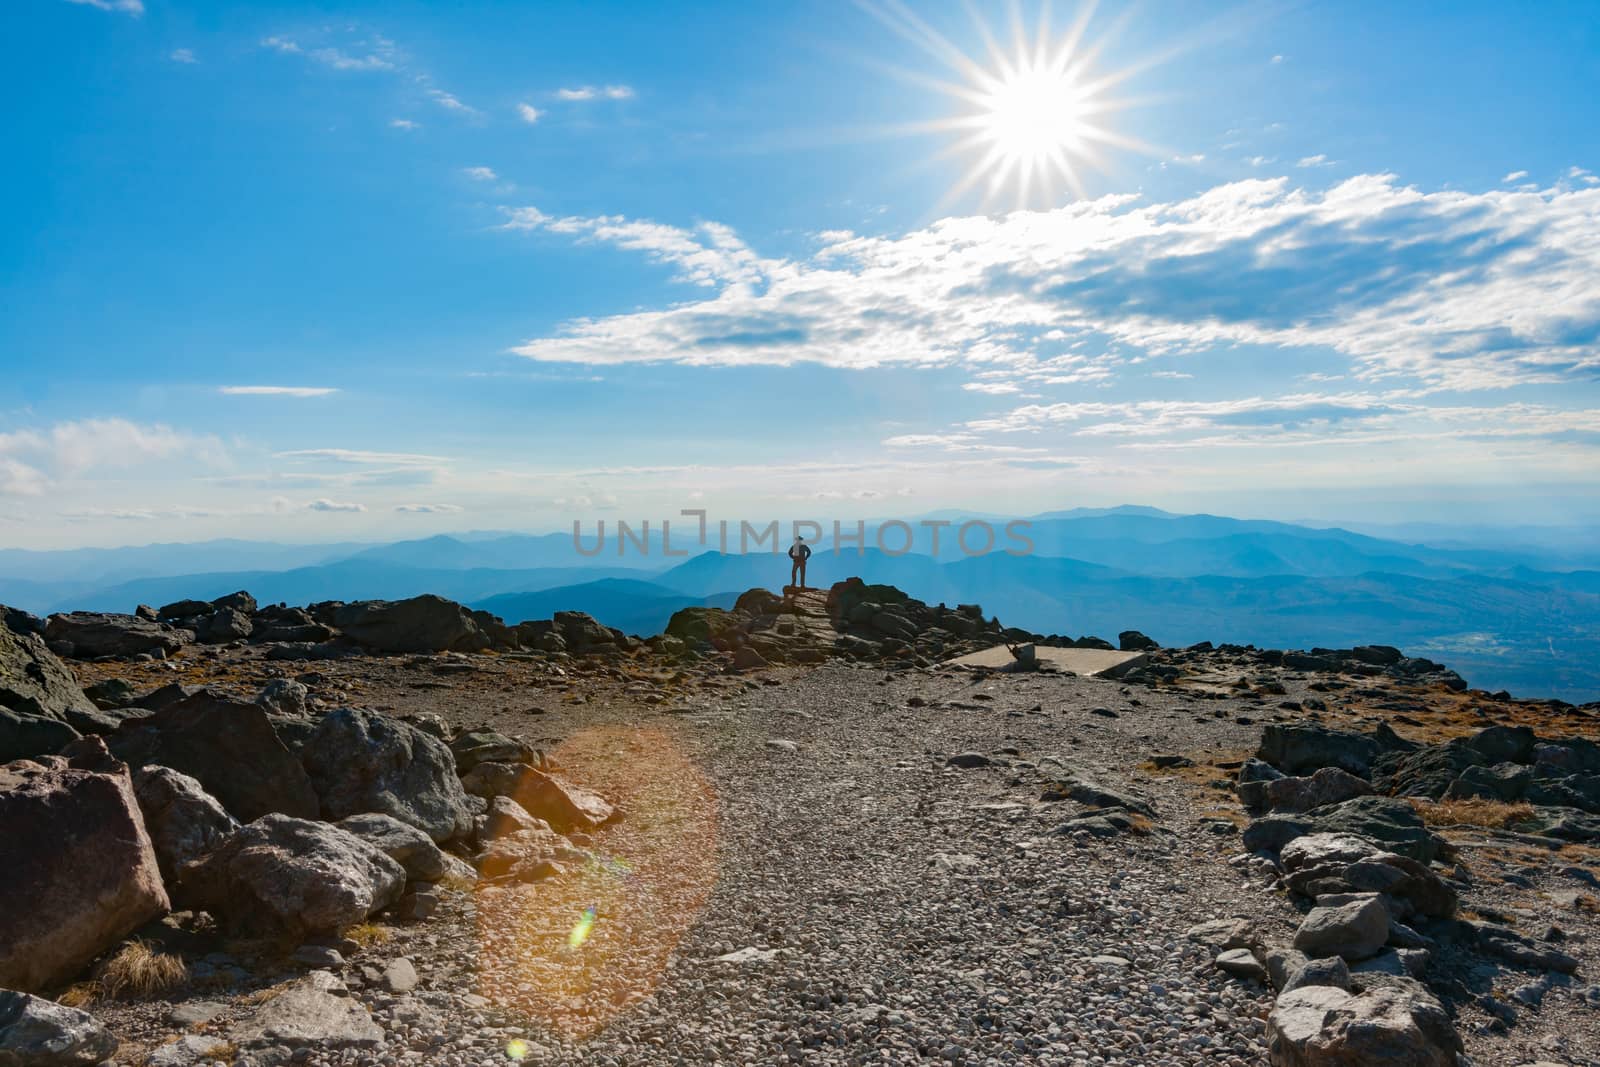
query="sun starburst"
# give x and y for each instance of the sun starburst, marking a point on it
(1032, 116)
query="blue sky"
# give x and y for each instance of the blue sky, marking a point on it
(319, 271)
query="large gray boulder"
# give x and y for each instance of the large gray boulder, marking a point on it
(24, 736)
(230, 747)
(80, 872)
(1353, 930)
(362, 761)
(92, 634)
(1329, 785)
(292, 876)
(472, 747)
(183, 820)
(406, 845)
(1300, 748)
(34, 682)
(1398, 1023)
(424, 623)
(35, 1032)
(222, 626)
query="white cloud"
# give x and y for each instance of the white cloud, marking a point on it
(379, 54)
(428, 509)
(127, 7)
(1467, 290)
(449, 101)
(324, 504)
(276, 390)
(1176, 375)
(182, 55)
(529, 113)
(480, 174)
(1277, 59)
(404, 124)
(360, 456)
(1515, 176)
(992, 388)
(32, 461)
(1261, 161)
(1318, 160)
(591, 92)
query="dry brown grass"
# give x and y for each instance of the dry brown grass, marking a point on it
(1476, 811)
(140, 970)
(79, 995)
(368, 934)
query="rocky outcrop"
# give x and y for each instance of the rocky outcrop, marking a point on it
(183, 820)
(35, 1032)
(1329, 785)
(424, 623)
(472, 747)
(80, 871)
(1324, 863)
(406, 845)
(1302, 748)
(564, 807)
(1388, 820)
(34, 682)
(282, 875)
(361, 761)
(230, 747)
(93, 634)
(1398, 1022)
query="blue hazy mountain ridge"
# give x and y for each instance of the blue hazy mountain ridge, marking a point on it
(351, 579)
(627, 604)
(1524, 617)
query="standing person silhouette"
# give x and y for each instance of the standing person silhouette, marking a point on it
(799, 552)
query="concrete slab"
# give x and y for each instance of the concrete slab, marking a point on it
(1087, 662)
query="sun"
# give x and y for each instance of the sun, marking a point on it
(1034, 115)
(1034, 118)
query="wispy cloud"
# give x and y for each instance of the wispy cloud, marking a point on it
(449, 101)
(404, 124)
(1450, 288)
(362, 456)
(378, 54)
(324, 504)
(1318, 160)
(126, 7)
(480, 174)
(428, 509)
(276, 390)
(591, 92)
(182, 55)
(1515, 176)
(528, 113)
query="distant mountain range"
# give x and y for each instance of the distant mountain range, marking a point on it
(1523, 616)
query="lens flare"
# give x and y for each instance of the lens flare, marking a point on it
(580, 933)
(517, 1050)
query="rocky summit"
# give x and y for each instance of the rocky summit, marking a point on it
(812, 828)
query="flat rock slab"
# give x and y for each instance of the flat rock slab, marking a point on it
(1085, 662)
(315, 1010)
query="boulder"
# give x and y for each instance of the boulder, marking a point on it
(80, 870)
(34, 682)
(1353, 931)
(281, 875)
(1388, 820)
(222, 626)
(1503, 781)
(241, 602)
(424, 623)
(230, 747)
(581, 631)
(1300, 748)
(92, 634)
(184, 609)
(35, 1032)
(1330, 785)
(1134, 641)
(1254, 774)
(21, 622)
(406, 845)
(362, 761)
(183, 820)
(1428, 771)
(473, 747)
(563, 806)
(314, 1011)
(283, 696)
(1398, 1023)
(24, 736)
(1319, 864)
(502, 818)
(1329, 971)
(112, 693)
